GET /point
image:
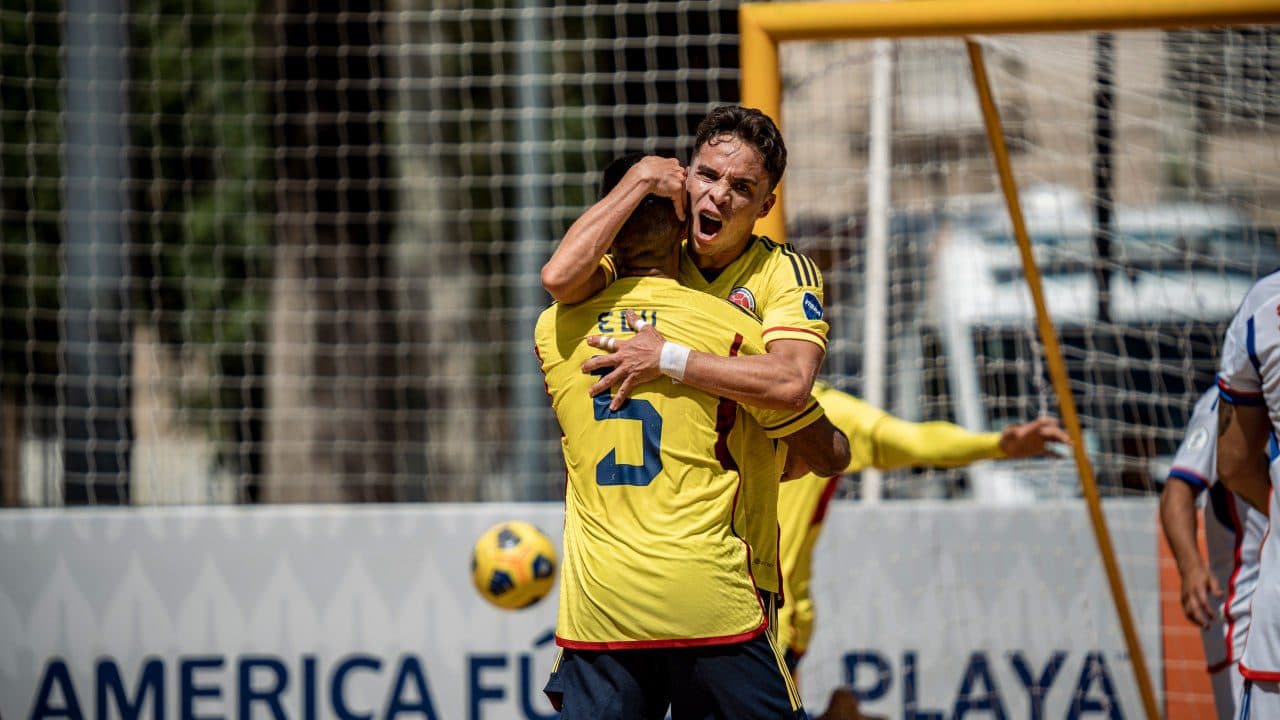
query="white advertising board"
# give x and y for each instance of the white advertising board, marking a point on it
(940, 611)
(933, 611)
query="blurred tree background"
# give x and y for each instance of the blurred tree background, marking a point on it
(332, 215)
(202, 217)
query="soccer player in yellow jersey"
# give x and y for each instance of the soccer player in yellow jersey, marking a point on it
(738, 158)
(660, 603)
(880, 440)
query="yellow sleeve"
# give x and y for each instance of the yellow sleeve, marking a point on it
(729, 317)
(878, 439)
(899, 443)
(791, 308)
(781, 423)
(610, 269)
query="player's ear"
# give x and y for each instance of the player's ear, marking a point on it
(768, 204)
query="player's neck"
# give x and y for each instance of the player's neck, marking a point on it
(711, 264)
(651, 265)
(646, 272)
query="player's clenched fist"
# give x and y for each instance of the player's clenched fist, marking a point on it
(665, 178)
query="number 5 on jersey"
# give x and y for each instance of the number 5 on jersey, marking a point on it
(608, 470)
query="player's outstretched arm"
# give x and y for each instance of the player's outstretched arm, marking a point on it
(781, 379)
(1178, 518)
(899, 443)
(573, 273)
(1242, 438)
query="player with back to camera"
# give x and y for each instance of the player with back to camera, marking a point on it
(1215, 595)
(663, 546)
(1248, 414)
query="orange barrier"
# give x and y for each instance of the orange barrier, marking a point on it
(1187, 693)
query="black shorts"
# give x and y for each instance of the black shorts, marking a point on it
(743, 681)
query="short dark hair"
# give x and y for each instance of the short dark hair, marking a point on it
(650, 229)
(614, 171)
(752, 127)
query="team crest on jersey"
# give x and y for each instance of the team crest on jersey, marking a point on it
(812, 306)
(743, 298)
(1198, 439)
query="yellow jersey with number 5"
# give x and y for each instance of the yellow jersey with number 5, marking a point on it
(670, 505)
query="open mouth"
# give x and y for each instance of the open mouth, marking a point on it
(708, 225)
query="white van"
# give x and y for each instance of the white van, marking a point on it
(1176, 274)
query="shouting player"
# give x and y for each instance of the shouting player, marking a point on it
(738, 159)
(669, 504)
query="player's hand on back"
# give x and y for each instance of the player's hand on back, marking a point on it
(1200, 593)
(1034, 438)
(634, 361)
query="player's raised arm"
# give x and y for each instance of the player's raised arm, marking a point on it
(573, 273)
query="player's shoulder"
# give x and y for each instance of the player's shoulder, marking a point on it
(785, 259)
(1203, 423)
(547, 336)
(546, 321)
(722, 313)
(1263, 292)
(1206, 407)
(1254, 330)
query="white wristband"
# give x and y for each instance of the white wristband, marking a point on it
(673, 359)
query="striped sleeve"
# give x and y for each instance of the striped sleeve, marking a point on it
(1193, 462)
(610, 269)
(781, 423)
(792, 306)
(1239, 376)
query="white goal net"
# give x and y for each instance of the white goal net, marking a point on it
(1147, 168)
(262, 252)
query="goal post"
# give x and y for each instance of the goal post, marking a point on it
(765, 26)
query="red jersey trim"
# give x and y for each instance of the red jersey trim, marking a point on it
(1260, 675)
(672, 643)
(1232, 582)
(828, 492)
(786, 328)
(1220, 666)
(1263, 675)
(794, 419)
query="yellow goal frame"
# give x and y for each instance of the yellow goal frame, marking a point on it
(763, 26)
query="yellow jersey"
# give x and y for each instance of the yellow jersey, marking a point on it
(778, 285)
(876, 439)
(671, 501)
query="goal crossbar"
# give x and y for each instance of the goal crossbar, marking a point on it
(763, 26)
